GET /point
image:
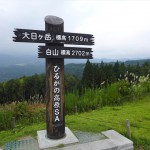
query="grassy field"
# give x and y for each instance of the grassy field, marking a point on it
(106, 118)
(115, 118)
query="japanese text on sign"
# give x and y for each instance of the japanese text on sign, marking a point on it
(56, 94)
(56, 52)
(38, 36)
(64, 52)
(49, 37)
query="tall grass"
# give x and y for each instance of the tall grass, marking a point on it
(89, 99)
(5, 120)
(115, 94)
(93, 99)
(24, 114)
(71, 100)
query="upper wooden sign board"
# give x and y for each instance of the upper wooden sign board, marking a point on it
(38, 36)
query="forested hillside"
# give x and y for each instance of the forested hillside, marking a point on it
(17, 71)
(101, 85)
(95, 75)
(101, 75)
(14, 71)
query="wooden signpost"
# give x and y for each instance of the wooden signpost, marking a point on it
(55, 118)
(54, 52)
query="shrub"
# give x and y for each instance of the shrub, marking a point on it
(71, 102)
(21, 110)
(5, 120)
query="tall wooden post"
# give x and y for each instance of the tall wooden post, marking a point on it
(55, 119)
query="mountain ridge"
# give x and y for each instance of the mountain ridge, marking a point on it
(12, 67)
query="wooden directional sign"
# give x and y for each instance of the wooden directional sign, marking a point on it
(64, 52)
(54, 37)
(38, 36)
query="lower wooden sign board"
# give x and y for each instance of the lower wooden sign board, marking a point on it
(64, 52)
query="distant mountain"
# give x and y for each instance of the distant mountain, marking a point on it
(12, 67)
(135, 62)
(95, 60)
(76, 69)
(16, 71)
(9, 60)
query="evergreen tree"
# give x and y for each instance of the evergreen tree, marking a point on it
(116, 70)
(71, 82)
(87, 77)
(102, 72)
(109, 73)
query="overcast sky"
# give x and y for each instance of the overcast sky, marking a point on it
(121, 27)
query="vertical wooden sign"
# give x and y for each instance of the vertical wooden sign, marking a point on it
(54, 52)
(55, 119)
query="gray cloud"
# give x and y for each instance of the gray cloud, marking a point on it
(121, 28)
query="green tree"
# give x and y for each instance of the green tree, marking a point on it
(116, 70)
(109, 74)
(2, 94)
(146, 68)
(102, 72)
(11, 89)
(71, 82)
(87, 77)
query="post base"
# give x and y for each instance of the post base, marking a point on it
(56, 137)
(45, 142)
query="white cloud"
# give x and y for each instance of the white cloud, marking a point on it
(118, 26)
(121, 28)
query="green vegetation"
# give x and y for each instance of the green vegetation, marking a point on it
(114, 117)
(125, 90)
(99, 120)
(75, 69)
(12, 67)
(103, 99)
(32, 89)
(23, 113)
(95, 75)
(20, 131)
